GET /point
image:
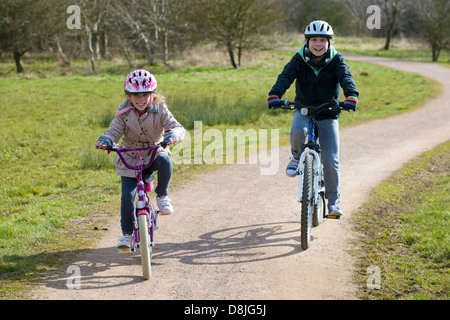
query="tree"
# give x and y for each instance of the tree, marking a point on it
(435, 15)
(94, 13)
(392, 10)
(357, 10)
(335, 12)
(236, 24)
(25, 25)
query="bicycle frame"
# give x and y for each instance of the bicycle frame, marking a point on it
(312, 146)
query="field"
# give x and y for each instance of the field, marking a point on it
(55, 187)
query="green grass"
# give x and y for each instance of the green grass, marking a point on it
(403, 49)
(51, 175)
(404, 230)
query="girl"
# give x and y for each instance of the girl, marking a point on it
(318, 70)
(143, 120)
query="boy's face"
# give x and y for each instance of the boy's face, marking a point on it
(318, 46)
(141, 100)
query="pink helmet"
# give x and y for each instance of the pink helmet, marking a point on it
(140, 81)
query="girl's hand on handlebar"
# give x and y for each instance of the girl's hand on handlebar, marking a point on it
(104, 143)
(170, 137)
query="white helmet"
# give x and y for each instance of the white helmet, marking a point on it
(319, 28)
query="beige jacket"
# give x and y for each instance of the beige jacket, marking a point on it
(140, 132)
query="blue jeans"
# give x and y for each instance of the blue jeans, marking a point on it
(329, 145)
(163, 165)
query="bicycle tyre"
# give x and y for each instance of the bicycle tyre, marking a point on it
(145, 247)
(306, 217)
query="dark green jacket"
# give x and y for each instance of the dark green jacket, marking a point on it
(315, 86)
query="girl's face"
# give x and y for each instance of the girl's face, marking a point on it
(318, 46)
(141, 100)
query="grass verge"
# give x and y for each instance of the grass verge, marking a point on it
(404, 232)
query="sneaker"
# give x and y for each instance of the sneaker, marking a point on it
(292, 167)
(165, 207)
(124, 241)
(334, 208)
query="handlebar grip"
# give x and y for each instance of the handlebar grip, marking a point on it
(342, 105)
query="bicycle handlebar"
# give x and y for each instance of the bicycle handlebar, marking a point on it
(120, 152)
(290, 105)
(116, 148)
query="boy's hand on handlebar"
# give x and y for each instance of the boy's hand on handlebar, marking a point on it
(350, 103)
(274, 101)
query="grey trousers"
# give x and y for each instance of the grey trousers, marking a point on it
(329, 145)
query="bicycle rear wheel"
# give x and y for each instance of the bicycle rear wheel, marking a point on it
(307, 210)
(145, 246)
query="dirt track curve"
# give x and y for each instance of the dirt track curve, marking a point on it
(235, 232)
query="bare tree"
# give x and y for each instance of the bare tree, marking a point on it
(434, 14)
(236, 24)
(357, 9)
(94, 12)
(391, 10)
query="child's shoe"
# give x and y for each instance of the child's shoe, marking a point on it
(164, 204)
(334, 208)
(124, 242)
(292, 167)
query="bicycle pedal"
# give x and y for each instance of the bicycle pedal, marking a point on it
(124, 250)
(333, 216)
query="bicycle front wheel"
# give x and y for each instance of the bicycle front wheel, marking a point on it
(306, 218)
(145, 246)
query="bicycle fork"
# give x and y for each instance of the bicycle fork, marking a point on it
(316, 174)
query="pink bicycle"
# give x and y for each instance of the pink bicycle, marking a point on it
(145, 217)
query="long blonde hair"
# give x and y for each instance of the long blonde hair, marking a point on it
(159, 98)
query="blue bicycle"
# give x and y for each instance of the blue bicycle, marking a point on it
(311, 186)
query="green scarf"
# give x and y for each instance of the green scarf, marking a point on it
(308, 57)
